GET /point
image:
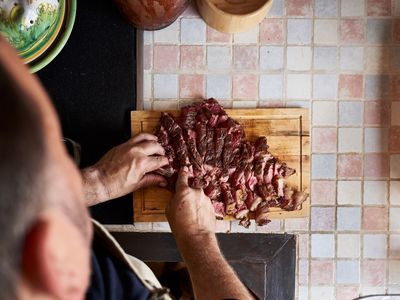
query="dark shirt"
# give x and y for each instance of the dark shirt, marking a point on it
(111, 279)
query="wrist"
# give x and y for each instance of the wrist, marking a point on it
(93, 187)
(195, 241)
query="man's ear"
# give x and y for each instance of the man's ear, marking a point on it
(56, 258)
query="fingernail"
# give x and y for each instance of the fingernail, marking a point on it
(185, 169)
(163, 184)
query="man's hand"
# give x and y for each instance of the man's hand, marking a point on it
(190, 212)
(125, 169)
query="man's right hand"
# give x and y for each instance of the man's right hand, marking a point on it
(190, 212)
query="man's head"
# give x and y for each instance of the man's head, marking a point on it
(45, 229)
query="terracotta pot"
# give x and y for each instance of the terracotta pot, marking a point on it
(151, 14)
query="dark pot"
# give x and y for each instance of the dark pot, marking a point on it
(151, 14)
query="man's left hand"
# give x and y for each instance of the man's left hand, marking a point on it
(124, 169)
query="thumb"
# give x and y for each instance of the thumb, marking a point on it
(152, 180)
(183, 178)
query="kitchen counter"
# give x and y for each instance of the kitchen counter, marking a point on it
(340, 59)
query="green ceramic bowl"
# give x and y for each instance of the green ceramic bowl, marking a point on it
(38, 29)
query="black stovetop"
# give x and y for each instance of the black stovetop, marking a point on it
(93, 86)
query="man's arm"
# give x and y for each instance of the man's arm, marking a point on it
(192, 220)
(124, 169)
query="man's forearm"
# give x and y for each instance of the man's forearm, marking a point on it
(93, 188)
(211, 275)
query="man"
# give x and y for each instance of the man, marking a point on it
(46, 238)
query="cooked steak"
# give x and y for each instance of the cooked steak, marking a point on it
(237, 175)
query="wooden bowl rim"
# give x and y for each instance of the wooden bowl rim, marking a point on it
(211, 3)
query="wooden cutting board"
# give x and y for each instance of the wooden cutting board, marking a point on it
(287, 132)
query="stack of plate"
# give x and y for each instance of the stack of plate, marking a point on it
(38, 29)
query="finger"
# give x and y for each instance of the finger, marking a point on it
(152, 163)
(149, 148)
(183, 178)
(142, 137)
(152, 180)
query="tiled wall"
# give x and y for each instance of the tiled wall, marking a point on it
(342, 60)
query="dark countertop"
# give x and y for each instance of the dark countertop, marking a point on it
(92, 83)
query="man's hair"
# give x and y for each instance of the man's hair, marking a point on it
(22, 152)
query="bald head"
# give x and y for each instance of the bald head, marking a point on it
(35, 171)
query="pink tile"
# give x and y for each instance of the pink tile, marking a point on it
(303, 271)
(271, 103)
(245, 57)
(323, 192)
(296, 224)
(299, 8)
(394, 144)
(352, 31)
(222, 226)
(303, 240)
(350, 165)
(166, 58)
(272, 31)
(396, 86)
(321, 272)
(245, 86)
(193, 57)
(396, 30)
(147, 57)
(192, 86)
(373, 272)
(376, 165)
(376, 113)
(215, 36)
(347, 292)
(375, 218)
(350, 86)
(379, 8)
(324, 140)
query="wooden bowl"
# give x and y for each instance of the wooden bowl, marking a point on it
(233, 15)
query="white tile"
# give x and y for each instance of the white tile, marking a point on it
(326, 8)
(396, 113)
(352, 58)
(218, 57)
(161, 227)
(322, 292)
(375, 246)
(372, 290)
(299, 31)
(350, 140)
(397, 8)
(325, 31)
(219, 86)
(271, 58)
(244, 104)
(322, 245)
(147, 37)
(351, 113)
(323, 166)
(248, 37)
(349, 192)
(394, 272)
(303, 292)
(395, 166)
(376, 139)
(235, 227)
(168, 35)
(352, 8)
(325, 58)
(146, 86)
(298, 104)
(298, 86)
(325, 87)
(277, 8)
(324, 113)
(348, 272)
(395, 192)
(348, 218)
(271, 86)
(375, 192)
(165, 86)
(193, 31)
(394, 220)
(348, 245)
(298, 58)
(394, 246)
